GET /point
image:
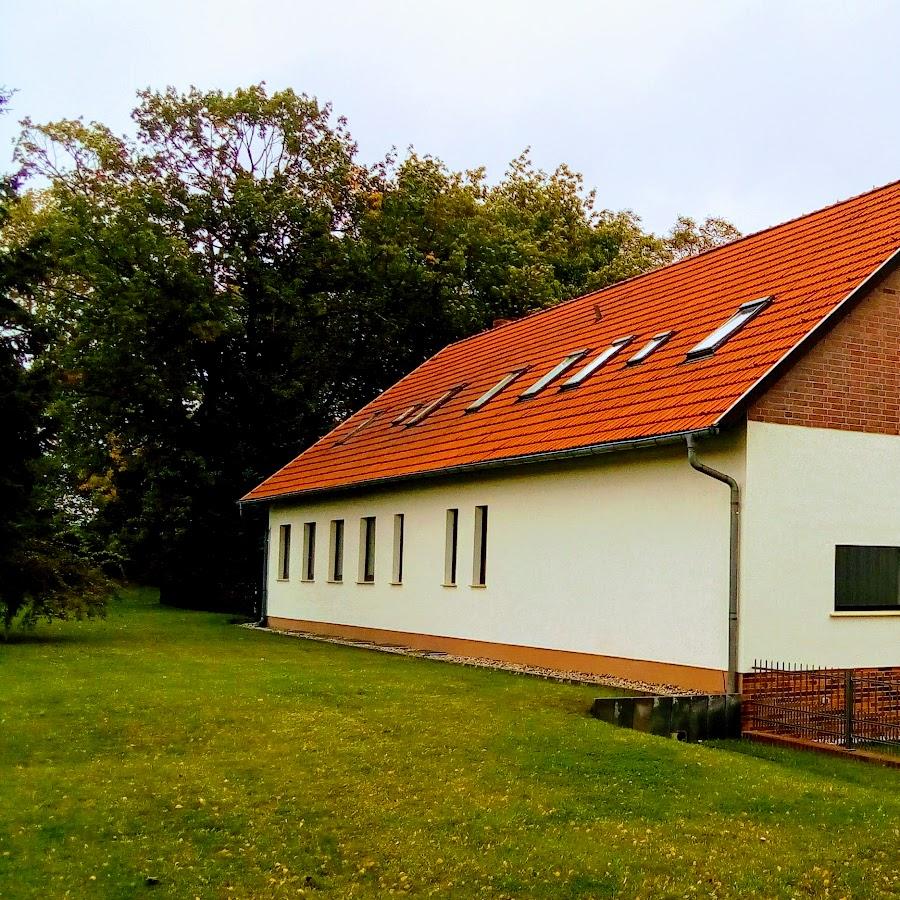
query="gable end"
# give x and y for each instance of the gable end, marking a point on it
(850, 379)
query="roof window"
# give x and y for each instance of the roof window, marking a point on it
(653, 344)
(426, 411)
(366, 422)
(713, 341)
(583, 373)
(489, 395)
(406, 414)
(555, 372)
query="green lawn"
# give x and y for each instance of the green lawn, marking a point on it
(229, 763)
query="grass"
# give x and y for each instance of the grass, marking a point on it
(223, 762)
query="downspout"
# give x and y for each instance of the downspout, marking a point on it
(733, 551)
(264, 593)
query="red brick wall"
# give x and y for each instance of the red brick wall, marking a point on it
(851, 379)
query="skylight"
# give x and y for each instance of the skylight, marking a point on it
(406, 414)
(426, 411)
(653, 344)
(358, 428)
(712, 342)
(555, 372)
(489, 395)
(582, 374)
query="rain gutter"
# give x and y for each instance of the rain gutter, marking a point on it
(494, 464)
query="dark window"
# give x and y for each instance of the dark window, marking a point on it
(367, 549)
(479, 568)
(866, 578)
(451, 541)
(309, 551)
(336, 551)
(397, 573)
(284, 552)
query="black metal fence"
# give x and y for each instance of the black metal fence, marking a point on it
(852, 708)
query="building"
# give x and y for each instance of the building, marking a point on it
(664, 480)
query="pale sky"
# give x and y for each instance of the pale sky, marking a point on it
(756, 111)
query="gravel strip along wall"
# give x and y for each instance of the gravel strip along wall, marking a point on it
(642, 687)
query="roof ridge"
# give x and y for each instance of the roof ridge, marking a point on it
(806, 215)
(744, 237)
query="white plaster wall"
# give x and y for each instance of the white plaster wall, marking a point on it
(807, 490)
(623, 555)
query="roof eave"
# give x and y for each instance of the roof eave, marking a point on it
(489, 465)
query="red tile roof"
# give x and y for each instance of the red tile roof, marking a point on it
(809, 265)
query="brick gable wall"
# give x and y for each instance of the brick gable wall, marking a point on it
(850, 380)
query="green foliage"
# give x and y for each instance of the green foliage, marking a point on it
(44, 573)
(232, 282)
(687, 238)
(230, 763)
(439, 255)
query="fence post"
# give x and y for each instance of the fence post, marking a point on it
(848, 708)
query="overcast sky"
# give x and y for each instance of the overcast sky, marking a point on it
(756, 111)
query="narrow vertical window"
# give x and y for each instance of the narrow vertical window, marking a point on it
(479, 563)
(336, 551)
(284, 552)
(397, 570)
(367, 550)
(309, 551)
(451, 542)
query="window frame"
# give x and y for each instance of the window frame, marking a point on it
(308, 569)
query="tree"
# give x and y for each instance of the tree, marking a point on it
(437, 255)
(687, 238)
(231, 282)
(43, 573)
(192, 272)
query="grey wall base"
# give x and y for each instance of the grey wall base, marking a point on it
(688, 718)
